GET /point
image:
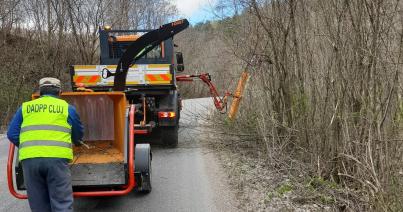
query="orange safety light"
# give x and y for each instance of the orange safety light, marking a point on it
(166, 114)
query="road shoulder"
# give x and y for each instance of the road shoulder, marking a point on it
(225, 196)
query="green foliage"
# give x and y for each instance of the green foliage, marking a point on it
(321, 188)
(284, 188)
(280, 191)
(393, 198)
(325, 199)
(300, 104)
(316, 183)
(228, 122)
(400, 112)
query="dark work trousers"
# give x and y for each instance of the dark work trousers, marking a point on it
(48, 182)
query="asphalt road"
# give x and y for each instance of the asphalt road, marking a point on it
(187, 178)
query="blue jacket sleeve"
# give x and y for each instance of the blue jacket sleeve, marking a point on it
(77, 130)
(13, 132)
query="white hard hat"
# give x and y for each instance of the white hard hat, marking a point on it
(49, 81)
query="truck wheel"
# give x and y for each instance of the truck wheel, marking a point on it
(169, 136)
(142, 166)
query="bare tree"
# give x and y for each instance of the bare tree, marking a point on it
(43, 38)
(325, 86)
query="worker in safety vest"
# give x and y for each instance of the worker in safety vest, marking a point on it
(44, 130)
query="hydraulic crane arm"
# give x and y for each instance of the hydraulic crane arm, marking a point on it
(219, 102)
(142, 46)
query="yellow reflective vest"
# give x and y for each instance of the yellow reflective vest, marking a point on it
(45, 131)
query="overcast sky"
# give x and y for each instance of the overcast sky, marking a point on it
(195, 10)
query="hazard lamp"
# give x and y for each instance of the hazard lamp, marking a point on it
(166, 114)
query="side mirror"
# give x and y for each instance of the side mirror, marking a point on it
(180, 67)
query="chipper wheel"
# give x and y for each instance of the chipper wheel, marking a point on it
(142, 168)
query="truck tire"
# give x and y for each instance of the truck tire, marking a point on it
(169, 136)
(142, 166)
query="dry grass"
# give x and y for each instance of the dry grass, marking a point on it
(324, 99)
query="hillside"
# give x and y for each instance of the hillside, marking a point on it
(320, 123)
(322, 112)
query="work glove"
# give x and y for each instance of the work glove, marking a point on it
(78, 143)
(81, 143)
